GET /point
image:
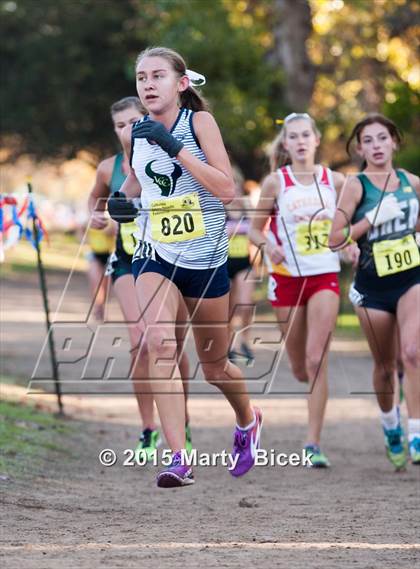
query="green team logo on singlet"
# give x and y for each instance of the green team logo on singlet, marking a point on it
(165, 183)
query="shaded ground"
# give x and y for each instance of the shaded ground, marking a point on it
(73, 512)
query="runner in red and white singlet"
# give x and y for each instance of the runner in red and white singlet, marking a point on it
(298, 202)
(300, 224)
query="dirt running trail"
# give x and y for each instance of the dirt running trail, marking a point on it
(77, 513)
(73, 512)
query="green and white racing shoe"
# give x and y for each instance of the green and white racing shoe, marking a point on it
(414, 448)
(318, 458)
(149, 442)
(395, 446)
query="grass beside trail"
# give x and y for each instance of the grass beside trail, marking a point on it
(28, 437)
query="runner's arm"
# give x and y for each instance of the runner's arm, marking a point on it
(99, 194)
(131, 186)
(415, 182)
(342, 229)
(264, 209)
(100, 191)
(351, 252)
(338, 181)
(215, 175)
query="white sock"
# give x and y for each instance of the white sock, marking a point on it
(389, 419)
(251, 424)
(413, 429)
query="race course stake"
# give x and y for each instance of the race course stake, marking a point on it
(43, 283)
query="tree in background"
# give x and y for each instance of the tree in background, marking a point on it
(290, 24)
(366, 57)
(63, 63)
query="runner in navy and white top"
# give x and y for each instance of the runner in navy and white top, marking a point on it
(181, 169)
(110, 176)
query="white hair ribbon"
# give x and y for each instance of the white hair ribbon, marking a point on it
(197, 80)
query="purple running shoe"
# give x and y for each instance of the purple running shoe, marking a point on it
(245, 443)
(176, 474)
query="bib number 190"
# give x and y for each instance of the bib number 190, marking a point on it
(398, 260)
(395, 256)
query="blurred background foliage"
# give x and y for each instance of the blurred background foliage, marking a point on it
(63, 62)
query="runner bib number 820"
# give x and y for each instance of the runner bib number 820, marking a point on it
(396, 255)
(177, 219)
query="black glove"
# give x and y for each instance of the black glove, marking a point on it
(155, 132)
(121, 209)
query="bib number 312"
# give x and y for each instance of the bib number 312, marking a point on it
(312, 239)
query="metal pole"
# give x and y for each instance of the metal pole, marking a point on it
(43, 283)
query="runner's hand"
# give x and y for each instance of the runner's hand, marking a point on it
(98, 220)
(154, 131)
(121, 209)
(276, 253)
(386, 210)
(351, 254)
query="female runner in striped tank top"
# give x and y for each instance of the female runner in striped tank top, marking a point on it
(300, 200)
(180, 168)
(380, 209)
(111, 174)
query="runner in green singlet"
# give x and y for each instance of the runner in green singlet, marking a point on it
(380, 210)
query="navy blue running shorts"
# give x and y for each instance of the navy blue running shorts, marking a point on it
(203, 283)
(386, 297)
